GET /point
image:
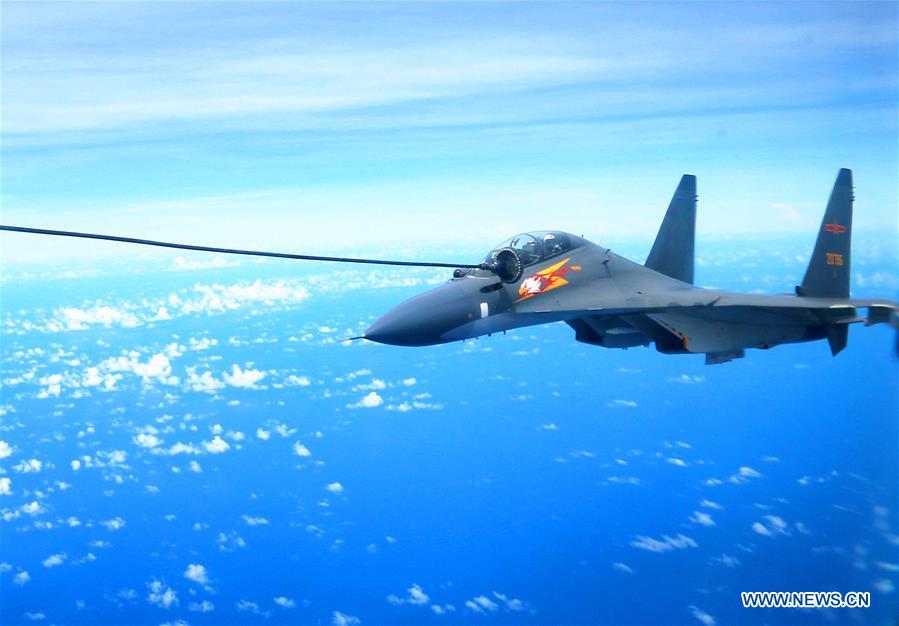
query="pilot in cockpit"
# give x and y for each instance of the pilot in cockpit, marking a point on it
(552, 244)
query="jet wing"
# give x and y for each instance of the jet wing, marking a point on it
(679, 317)
(609, 297)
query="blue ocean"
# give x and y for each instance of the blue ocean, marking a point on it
(192, 441)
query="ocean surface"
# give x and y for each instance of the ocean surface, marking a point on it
(190, 441)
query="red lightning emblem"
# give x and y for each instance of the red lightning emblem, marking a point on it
(835, 228)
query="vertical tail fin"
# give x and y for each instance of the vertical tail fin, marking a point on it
(827, 275)
(837, 337)
(673, 250)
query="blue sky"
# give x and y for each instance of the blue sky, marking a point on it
(186, 439)
(358, 126)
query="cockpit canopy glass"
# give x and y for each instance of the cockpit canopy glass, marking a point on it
(536, 246)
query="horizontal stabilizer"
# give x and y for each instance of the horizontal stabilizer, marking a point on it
(882, 314)
(673, 250)
(827, 275)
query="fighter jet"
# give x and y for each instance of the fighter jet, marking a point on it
(612, 302)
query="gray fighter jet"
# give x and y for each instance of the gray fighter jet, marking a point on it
(609, 301)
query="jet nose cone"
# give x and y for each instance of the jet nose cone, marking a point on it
(392, 328)
(422, 320)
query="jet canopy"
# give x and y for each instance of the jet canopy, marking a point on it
(538, 245)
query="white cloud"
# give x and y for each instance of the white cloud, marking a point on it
(201, 607)
(116, 523)
(786, 212)
(878, 280)
(197, 573)
(726, 560)
(702, 616)
(248, 607)
(761, 529)
(300, 450)
(161, 595)
(204, 382)
(773, 525)
(52, 386)
(32, 508)
(21, 578)
(263, 434)
(245, 379)
(686, 379)
(216, 262)
(284, 431)
(54, 559)
(180, 448)
(254, 521)
(415, 595)
(284, 602)
(31, 466)
(158, 366)
(5, 486)
(404, 406)
(76, 465)
(72, 318)
(665, 544)
(628, 404)
(511, 604)
(709, 504)
(335, 488)
(621, 567)
(482, 604)
(370, 401)
(704, 519)
(677, 461)
(216, 446)
(220, 298)
(114, 457)
(342, 619)
(92, 377)
(230, 542)
(202, 344)
(147, 440)
(125, 93)
(743, 475)
(298, 381)
(408, 382)
(5, 450)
